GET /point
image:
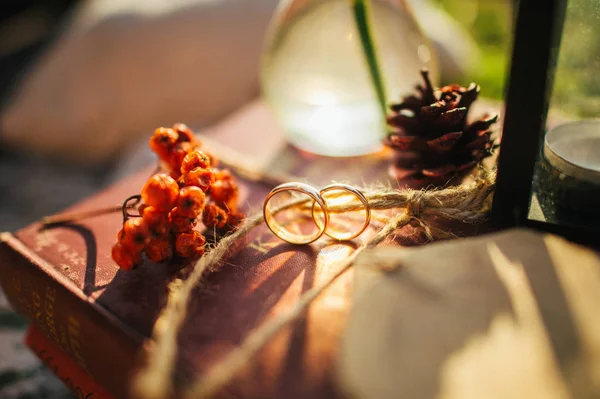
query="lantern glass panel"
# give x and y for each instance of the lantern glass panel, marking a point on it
(566, 181)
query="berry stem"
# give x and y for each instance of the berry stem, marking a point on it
(127, 205)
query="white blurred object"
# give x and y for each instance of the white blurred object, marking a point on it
(122, 68)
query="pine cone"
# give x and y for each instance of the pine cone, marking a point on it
(431, 137)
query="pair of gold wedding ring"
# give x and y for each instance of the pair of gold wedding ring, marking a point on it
(303, 203)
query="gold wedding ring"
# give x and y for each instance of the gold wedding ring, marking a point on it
(306, 214)
(296, 229)
(340, 204)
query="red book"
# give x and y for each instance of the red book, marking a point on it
(64, 367)
(65, 281)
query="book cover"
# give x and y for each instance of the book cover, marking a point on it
(64, 280)
(64, 367)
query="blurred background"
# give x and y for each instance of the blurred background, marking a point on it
(84, 83)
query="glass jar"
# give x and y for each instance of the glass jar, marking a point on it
(316, 78)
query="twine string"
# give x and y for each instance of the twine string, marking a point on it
(155, 380)
(223, 372)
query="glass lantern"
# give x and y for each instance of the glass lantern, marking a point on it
(549, 163)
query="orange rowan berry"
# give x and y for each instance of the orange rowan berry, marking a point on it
(177, 155)
(160, 249)
(134, 234)
(141, 208)
(180, 222)
(156, 219)
(214, 216)
(221, 191)
(191, 201)
(225, 194)
(195, 159)
(199, 177)
(185, 134)
(189, 244)
(223, 174)
(162, 141)
(234, 219)
(160, 191)
(124, 257)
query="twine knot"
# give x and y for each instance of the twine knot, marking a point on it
(414, 203)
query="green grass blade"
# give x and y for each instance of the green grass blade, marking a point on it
(362, 10)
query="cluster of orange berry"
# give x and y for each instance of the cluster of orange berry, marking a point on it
(191, 188)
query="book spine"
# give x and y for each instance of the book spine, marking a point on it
(66, 369)
(98, 344)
